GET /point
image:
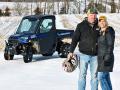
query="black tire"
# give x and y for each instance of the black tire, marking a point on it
(8, 56)
(64, 50)
(28, 55)
(48, 54)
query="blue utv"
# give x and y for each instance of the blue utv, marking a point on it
(37, 34)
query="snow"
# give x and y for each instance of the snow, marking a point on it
(45, 73)
(42, 74)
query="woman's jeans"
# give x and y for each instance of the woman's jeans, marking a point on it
(104, 79)
(84, 61)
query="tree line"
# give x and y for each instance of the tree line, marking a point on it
(59, 7)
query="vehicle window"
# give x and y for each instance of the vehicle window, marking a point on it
(27, 26)
(46, 25)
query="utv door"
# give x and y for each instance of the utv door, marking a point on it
(47, 41)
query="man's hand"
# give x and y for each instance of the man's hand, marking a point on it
(70, 55)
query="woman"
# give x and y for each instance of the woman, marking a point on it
(105, 53)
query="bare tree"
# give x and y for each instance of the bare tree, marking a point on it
(45, 1)
(78, 5)
(58, 6)
(119, 6)
(26, 9)
(31, 8)
(85, 6)
(18, 8)
(68, 5)
(96, 1)
(49, 7)
(53, 5)
(40, 4)
(100, 1)
(113, 6)
(105, 5)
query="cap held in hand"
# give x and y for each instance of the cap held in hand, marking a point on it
(69, 65)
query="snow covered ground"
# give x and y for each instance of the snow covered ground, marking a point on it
(46, 73)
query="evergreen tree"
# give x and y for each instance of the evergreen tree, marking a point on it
(1, 13)
(37, 11)
(7, 12)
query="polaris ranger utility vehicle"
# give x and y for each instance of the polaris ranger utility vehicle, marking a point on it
(37, 35)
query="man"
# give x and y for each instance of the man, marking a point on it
(86, 34)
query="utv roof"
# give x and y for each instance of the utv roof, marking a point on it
(37, 16)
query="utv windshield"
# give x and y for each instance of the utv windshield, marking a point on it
(27, 26)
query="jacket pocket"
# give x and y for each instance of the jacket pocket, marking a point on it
(107, 60)
(107, 63)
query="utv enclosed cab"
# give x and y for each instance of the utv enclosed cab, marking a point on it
(37, 34)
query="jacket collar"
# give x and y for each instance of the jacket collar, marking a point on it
(95, 23)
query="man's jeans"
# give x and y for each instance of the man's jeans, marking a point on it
(84, 61)
(104, 79)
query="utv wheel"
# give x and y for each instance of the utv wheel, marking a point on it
(8, 56)
(28, 56)
(64, 50)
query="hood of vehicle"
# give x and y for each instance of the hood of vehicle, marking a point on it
(17, 36)
(21, 38)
